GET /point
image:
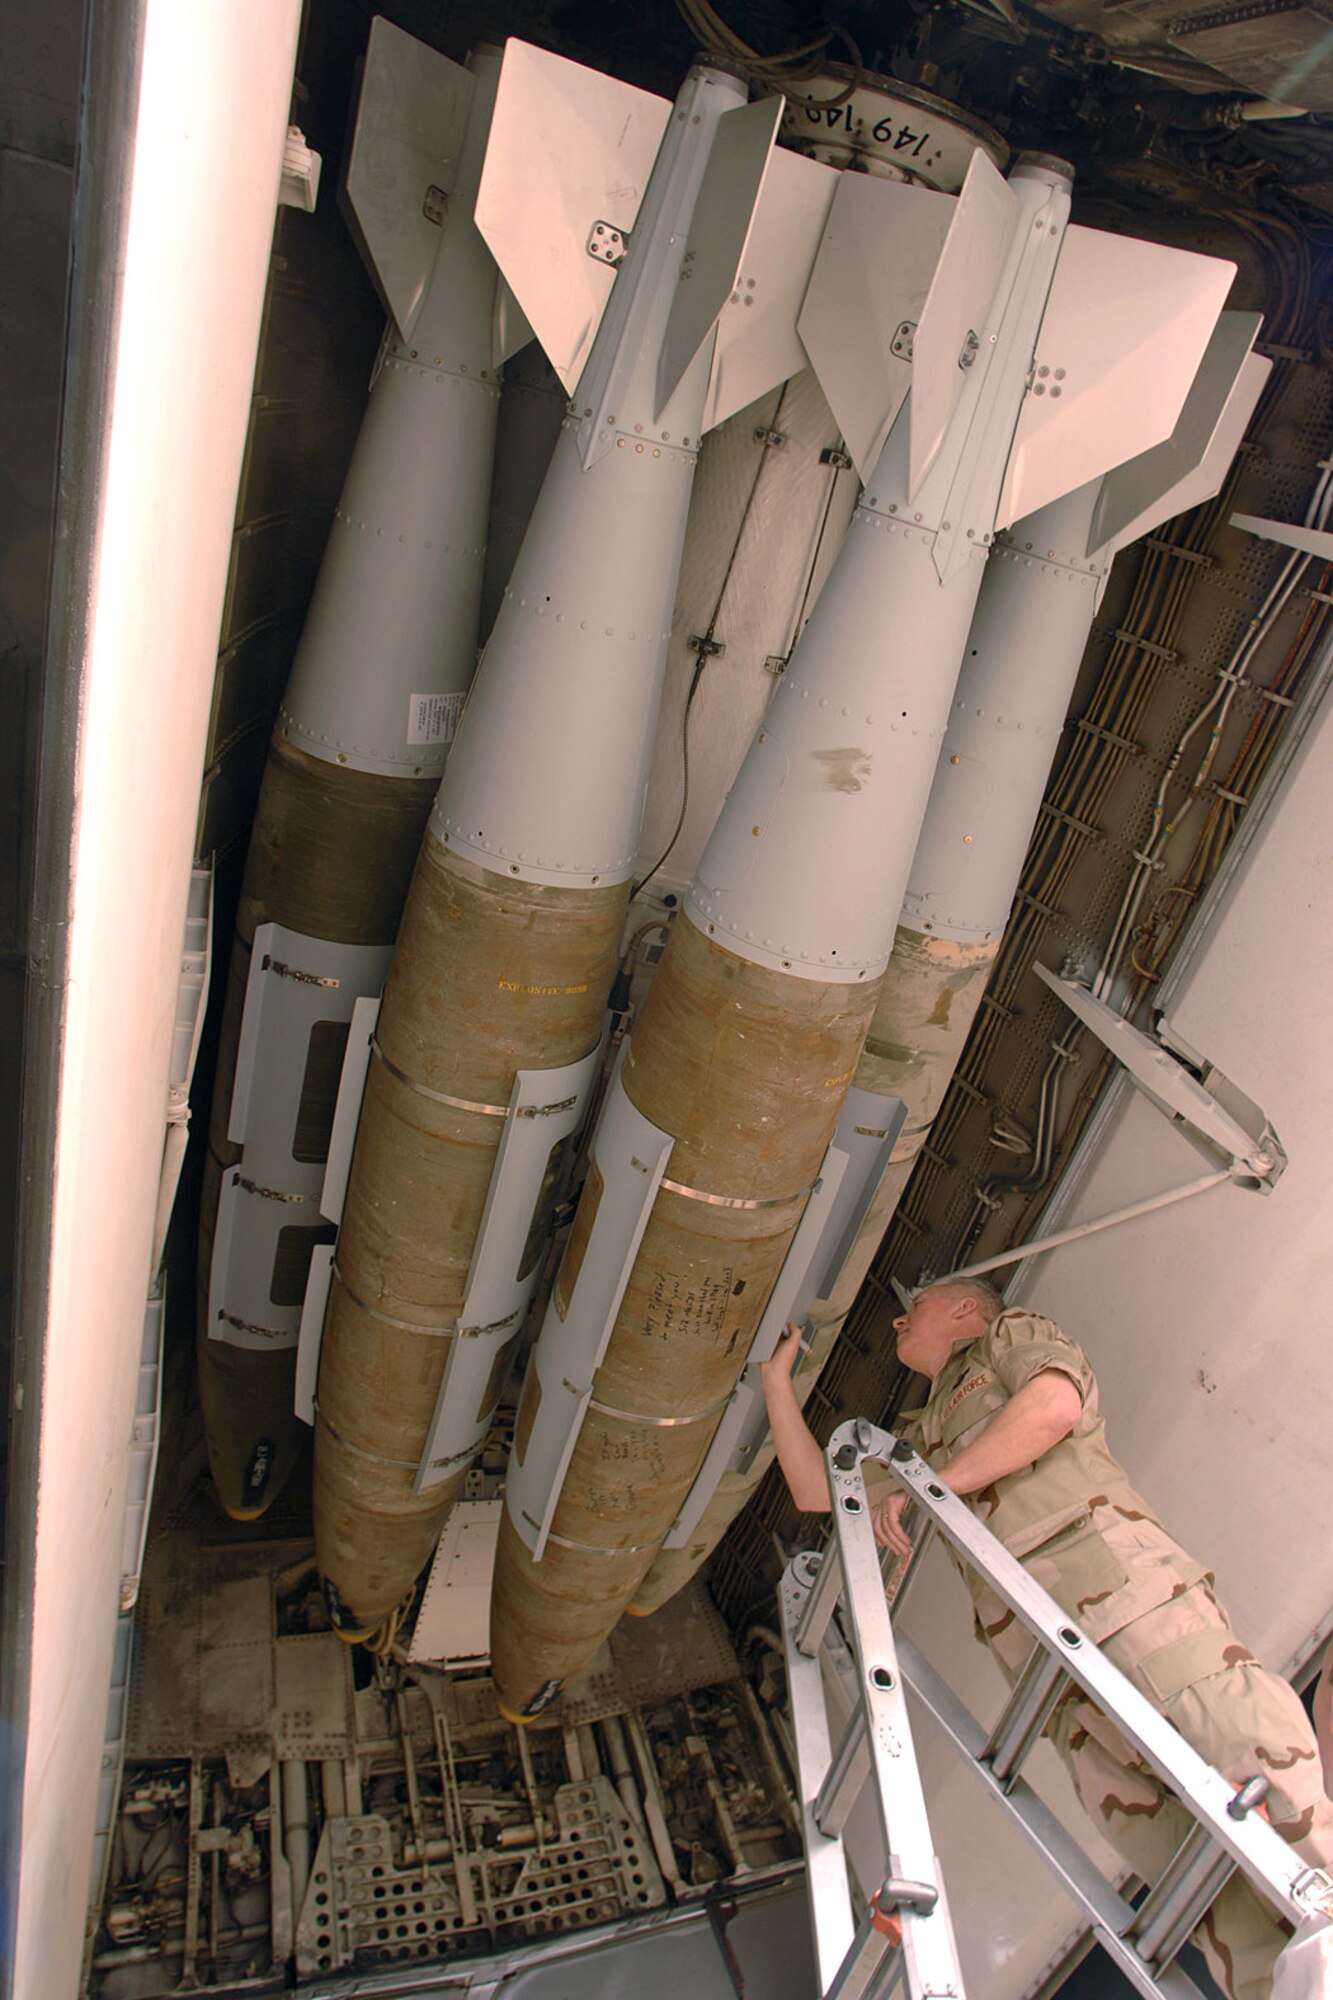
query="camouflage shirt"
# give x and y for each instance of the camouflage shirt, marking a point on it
(1078, 1525)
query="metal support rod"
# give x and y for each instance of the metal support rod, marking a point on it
(1025, 1714)
(1148, 1206)
(193, 1875)
(332, 1788)
(617, 1752)
(296, 1829)
(592, 1763)
(654, 1809)
(530, 1784)
(283, 1913)
(453, 1819)
(215, 1881)
(573, 1755)
(410, 1772)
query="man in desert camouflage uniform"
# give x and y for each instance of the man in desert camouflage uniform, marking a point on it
(1012, 1426)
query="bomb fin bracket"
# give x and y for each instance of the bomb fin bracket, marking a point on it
(629, 1159)
(546, 1107)
(299, 989)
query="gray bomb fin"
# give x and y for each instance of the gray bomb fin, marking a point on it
(569, 149)
(1290, 534)
(866, 293)
(719, 232)
(410, 121)
(757, 342)
(1192, 463)
(958, 308)
(1124, 332)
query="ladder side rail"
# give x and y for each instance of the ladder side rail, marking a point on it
(914, 1884)
(1273, 1867)
(1107, 1911)
(827, 1885)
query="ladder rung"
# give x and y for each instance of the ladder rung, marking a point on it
(847, 1773)
(821, 1603)
(1025, 1714)
(1189, 1886)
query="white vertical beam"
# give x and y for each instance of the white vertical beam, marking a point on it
(207, 146)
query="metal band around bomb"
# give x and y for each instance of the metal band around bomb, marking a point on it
(591, 1548)
(387, 1319)
(359, 1451)
(736, 1201)
(451, 1458)
(435, 1096)
(658, 1423)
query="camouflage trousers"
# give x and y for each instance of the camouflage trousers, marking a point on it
(1246, 1721)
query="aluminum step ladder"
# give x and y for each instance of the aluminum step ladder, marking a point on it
(862, 1956)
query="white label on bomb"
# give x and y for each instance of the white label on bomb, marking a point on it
(433, 718)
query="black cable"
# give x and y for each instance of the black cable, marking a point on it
(665, 855)
(814, 561)
(703, 659)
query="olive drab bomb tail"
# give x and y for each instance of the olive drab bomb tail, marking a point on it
(376, 688)
(771, 977)
(487, 1043)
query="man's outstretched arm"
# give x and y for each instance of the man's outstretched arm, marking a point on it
(799, 1456)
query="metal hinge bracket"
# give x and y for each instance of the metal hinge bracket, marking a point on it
(607, 244)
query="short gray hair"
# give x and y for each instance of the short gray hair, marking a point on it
(987, 1300)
